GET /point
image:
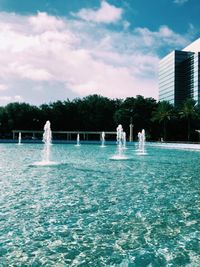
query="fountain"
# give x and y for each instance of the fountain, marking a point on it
(46, 153)
(141, 144)
(103, 139)
(120, 142)
(124, 140)
(47, 139)
(78, 140)
(20, 139)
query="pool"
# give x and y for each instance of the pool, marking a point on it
(92, 211)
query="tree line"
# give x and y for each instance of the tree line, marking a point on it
(161, 120)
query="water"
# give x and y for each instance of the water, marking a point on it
(46, 152)
(47, 139)
(124, 140)
(121, 144)
(90, 211)
(103, 139)
(78, 140)
(19, 138)
(141, 143)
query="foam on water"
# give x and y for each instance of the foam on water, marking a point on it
(141, 153)
(118, 157)
(45, 163)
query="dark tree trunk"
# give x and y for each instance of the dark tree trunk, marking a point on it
(164, 130)
(188, 129)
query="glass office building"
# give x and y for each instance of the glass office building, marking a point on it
(179, 75)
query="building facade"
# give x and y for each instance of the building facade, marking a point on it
(179, 75)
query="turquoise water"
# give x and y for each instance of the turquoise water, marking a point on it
(91, 211)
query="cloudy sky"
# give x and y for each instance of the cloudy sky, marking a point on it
(57, 49)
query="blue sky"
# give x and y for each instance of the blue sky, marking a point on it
(56, 49)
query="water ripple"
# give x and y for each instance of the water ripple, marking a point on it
(90, 211)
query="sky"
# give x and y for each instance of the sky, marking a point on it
(58, 49)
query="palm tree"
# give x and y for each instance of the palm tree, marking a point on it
(162, 114)
(188, 112)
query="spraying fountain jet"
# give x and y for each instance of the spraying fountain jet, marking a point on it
(124, 140)
(46, 153)
(141, 144)
(47, 139)
(20, 139)
(103, 139)
(120, 143)
(78, 140)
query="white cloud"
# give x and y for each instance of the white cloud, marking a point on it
(164, 36)
(44, 58)
(180, 2)
(43, 22)
(3, 87)
(107, 13)
(31, 72)
(6, 99)
(18, 98)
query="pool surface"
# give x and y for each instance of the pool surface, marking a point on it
(92, 211)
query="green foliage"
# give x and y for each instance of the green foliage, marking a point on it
(188, 109)
(19, 116)
(137, 111)
(95, 112)
(189, 112)
(162, 114)
(98, 113)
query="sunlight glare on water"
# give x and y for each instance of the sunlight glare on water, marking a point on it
(92, 211)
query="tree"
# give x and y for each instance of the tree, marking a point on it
(137, 110)
(21, 116)
(163, 114)
(95, 112)
(188, 112)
